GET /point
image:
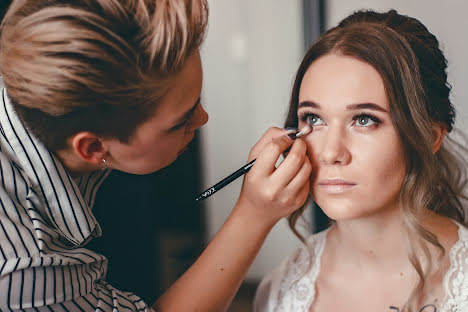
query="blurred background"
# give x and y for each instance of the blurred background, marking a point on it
(250, 56)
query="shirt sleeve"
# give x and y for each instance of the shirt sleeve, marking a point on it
(40, 272)
(50, 289)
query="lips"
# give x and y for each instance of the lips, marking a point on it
(336, 186)
(185, 147)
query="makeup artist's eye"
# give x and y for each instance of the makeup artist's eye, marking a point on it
(365, 120)
(180, 126)
(311, 119)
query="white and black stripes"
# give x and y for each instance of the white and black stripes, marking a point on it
(45, 219)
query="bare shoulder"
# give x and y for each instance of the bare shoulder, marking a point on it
(446, 230)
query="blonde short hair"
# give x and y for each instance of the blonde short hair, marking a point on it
(94, 65)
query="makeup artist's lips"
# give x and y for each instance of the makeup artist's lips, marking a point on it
(182, 150)
(186, 146)
(335, 186)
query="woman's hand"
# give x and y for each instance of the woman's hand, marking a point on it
(269, 193)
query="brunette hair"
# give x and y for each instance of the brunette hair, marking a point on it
(94, 65)
(413, 69)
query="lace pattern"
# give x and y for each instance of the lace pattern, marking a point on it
(297, 288)
(456, 278)
(294, 288)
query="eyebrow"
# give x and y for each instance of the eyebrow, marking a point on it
(357, 106)
(186, 116)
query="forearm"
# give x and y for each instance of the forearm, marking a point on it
(212, 281)
(268, 194)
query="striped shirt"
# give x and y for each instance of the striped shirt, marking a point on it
(45, 222)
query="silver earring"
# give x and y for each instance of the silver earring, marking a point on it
(104, 164)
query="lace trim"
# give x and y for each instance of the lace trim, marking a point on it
(456, 278)
(297, 288)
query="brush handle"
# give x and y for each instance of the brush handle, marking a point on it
(241, 171)
(210, 191)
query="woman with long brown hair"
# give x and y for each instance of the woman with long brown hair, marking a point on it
(385, 171)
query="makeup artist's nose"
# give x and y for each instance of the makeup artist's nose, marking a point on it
(200, 118)
(334, 149)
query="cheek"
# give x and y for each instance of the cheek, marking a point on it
(167, 145)
(390, 167)
(311, 154)
(382, 167)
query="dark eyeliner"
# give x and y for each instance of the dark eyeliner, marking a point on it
(371, 117)
(304, 115)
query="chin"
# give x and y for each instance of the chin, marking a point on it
(341, 209)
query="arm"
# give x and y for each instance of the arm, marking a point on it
(267, 195)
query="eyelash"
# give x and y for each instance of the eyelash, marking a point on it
(181, 125)
(186, 121)
(305, 115)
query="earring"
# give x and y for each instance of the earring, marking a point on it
(104, 164)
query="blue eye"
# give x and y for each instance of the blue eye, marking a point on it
(366, 120)
(313, 120)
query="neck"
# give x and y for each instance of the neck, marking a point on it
(371, 242)
(376, 243)
(74, 165)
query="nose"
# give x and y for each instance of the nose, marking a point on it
(334, 149)
(200, 118)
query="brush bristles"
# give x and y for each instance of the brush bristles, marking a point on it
(306, 130)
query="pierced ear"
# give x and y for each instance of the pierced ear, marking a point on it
(89, 147)
(438, 133)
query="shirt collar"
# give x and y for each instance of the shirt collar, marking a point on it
(67, 204)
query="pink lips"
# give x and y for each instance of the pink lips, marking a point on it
(335, 186)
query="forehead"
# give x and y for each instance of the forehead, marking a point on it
(336, 80)
(184, 91)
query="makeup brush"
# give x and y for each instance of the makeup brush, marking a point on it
(243, 170)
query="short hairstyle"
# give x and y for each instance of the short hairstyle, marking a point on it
(94, 65)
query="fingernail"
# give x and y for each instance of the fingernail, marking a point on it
(292, 135)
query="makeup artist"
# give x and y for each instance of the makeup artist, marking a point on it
(95, 85)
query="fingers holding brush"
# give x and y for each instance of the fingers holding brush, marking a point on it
(291, 165)
(269, 193)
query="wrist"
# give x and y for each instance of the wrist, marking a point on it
(248, 216)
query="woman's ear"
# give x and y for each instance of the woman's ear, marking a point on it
(89, 147)
(438, 134)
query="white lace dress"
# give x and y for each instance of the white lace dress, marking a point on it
(291, 286)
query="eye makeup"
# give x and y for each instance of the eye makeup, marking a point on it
(361, 120)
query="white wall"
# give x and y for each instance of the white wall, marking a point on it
(250, 56)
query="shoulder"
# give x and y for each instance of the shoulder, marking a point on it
(295, 267)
